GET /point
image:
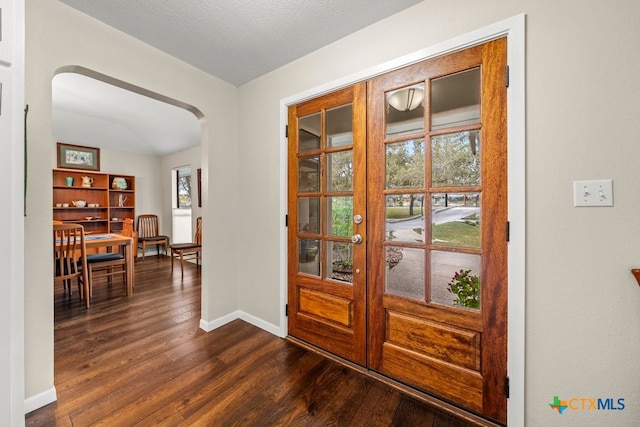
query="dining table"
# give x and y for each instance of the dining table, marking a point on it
(114, 240)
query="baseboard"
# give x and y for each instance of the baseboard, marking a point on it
(266, 326)
(220, 321)
(239, 314)
(40, 400)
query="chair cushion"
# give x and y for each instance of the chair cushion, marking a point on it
(154, 238)
(104, 257)
(182, 246)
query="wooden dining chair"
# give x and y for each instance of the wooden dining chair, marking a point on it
(69, 258)
(128, 230)
(190, 250)
(149, 235)
(106, 265)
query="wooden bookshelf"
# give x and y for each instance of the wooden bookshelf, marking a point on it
(106, 207)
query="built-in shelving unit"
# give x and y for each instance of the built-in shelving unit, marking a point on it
(109, 198)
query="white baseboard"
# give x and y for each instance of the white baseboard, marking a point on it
(266, 326)
(40, 400)
(255, 321)
(220, 321)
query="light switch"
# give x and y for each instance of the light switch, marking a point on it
(593, 193)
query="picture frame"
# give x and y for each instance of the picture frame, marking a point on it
(78, 157)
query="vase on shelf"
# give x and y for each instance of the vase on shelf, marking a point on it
(119, 183)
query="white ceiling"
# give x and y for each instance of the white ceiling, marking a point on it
(88, 111)
(234, 40)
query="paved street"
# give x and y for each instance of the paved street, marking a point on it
(407, 278)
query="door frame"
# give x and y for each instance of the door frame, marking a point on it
(514, 29)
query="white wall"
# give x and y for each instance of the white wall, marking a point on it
(58, 36)
(12, 193)
(583, 97)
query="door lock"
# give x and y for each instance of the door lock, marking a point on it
(357, 219)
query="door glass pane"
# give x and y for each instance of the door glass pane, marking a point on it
(309, 174)
(455, 100)
(405, 111)
(309, 128)
(340, 216)
(404, 164)
(455, 279)
(340, 261)
(455, 159)
(340, 171)
(309, 215)
(309, 256)
(338, 127)
(455, 219)
(405, 272)
(405, 217)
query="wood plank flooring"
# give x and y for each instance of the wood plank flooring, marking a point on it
(143, 361)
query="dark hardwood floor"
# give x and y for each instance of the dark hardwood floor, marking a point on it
(144, 361)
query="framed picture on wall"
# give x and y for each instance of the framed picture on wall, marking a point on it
(78, 157)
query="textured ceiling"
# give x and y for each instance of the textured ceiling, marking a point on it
(239, 40)
(234, 40)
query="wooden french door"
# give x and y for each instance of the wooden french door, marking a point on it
(425, 301)
(437, 276)
(327, 177)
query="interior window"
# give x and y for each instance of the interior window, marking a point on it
(183, 188)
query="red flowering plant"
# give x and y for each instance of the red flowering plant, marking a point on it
(466, 289)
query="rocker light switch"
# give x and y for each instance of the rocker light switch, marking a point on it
(593, 193)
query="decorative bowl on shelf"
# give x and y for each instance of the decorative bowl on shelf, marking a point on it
(88, 218)
(119, 183)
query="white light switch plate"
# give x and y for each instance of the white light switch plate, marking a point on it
(593, 193)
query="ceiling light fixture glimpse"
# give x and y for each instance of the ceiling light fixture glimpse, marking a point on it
(406, 99)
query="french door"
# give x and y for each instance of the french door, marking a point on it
(327, 203)
(398, 230)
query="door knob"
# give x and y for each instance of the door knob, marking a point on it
(356, 239)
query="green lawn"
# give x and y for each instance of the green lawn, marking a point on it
(400, 212)
(457, 234)
(450, 234)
